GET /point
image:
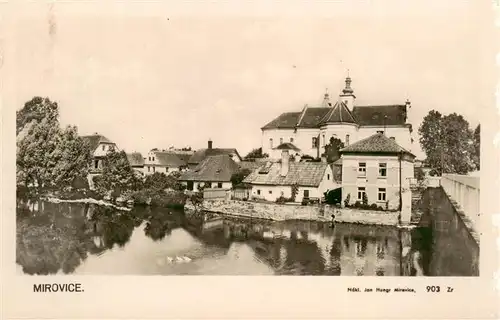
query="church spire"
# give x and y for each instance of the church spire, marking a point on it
(326, 100)
(348, 90)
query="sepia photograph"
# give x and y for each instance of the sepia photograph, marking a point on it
(181, 145)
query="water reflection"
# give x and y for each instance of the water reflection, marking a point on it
(87, 239)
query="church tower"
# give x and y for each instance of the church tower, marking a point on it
(347, 95)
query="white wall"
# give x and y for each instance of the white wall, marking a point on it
(276, 134)
(338, 131)
(401, 134)
(103, 149)
(351, 180)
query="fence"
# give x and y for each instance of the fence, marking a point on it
(465, 191)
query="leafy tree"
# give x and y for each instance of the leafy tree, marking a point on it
(256, 154)
(36, 110)
(117, 175)
(161, 181)
(332, 149)
(239, 176)
(48, 156)
(477, 147)
(447, 142)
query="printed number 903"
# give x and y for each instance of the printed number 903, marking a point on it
(433, 289)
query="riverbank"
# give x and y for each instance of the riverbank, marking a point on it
(282, 212)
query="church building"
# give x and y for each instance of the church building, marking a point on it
(310, 130)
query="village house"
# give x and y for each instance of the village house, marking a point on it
(166, 161)
(136, 161)
(213, 172)
(275, 179)
(201, 154)
(380, 170)
(311, 129)
(99, 148)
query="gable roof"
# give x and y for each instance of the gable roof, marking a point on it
(94, 140)
(212, 168)
(377, 143)
(312, 117)
(380, 115)
(135, 159)
(339, 113)
(170, 159)
(201, 154)
(302, 173)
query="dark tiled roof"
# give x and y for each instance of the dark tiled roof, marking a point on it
(170, 159)
(251, 165)
(135, 159)
(301, 173)
(201, 154)
(286, 120)
(94, 141)
(313, 116)
(339, 113)
(377, 143)
(287, 146)
(375, 115)
(212, 168)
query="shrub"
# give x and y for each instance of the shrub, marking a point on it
(373, 206)
(304, 202)
(333, 196)
(347, 200)
(365, 199)
(281, 199)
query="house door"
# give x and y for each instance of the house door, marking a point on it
(190, 185)
(306, 194)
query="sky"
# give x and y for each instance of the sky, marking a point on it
(160, 77)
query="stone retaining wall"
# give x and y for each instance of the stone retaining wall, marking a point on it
(280, 212)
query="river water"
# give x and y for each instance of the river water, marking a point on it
(70, 238)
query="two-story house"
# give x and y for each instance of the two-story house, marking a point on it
(379, 170)
(166, 161)
(99, 148)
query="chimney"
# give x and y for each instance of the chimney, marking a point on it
(210, 144)
(285, 163)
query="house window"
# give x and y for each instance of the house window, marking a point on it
(166, 169)
(346, 139)
(291, 140)
(258, 192)
(96, 164)
(190, 185)
(314, 142)
(381, 194)
(111, 148)
(219, 185)
(382, 170)
(149, 169)
(154, 169)
(328, 176)
(306, 194)
(361, 193)
(271, 143)
(103, 147)
(281, 140)
(270, 192)
(362, 169)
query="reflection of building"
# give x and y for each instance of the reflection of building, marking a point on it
(275, 179)
(311, 129)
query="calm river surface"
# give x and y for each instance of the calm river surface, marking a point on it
(88, 239)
